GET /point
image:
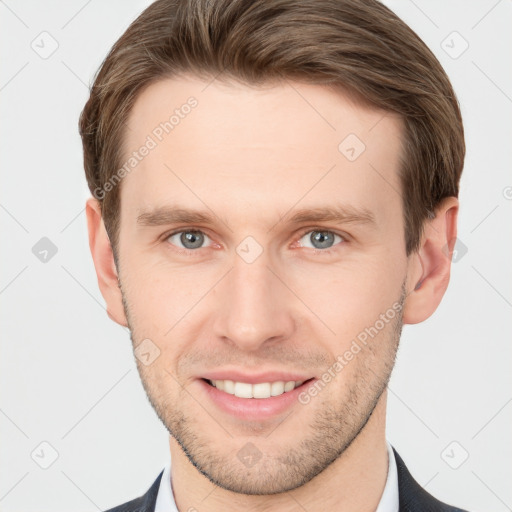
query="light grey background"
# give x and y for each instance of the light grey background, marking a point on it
(68, 376)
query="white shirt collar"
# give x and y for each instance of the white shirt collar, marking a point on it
(388, 501)
(165, 497)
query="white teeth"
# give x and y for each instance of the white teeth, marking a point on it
(260, 390)
(243, 390)
(277, 388)
(229, 386)
(289, 386)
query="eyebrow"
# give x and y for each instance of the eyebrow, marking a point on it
(342, 214)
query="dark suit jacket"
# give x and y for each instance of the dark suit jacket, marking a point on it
(412, 497)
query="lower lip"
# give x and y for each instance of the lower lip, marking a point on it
(253, 409)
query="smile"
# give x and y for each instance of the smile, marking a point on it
(260, 390)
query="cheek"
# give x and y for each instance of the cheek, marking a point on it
(154, 288)
(350, 296)
(164, 304)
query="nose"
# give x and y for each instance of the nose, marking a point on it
(255, 307)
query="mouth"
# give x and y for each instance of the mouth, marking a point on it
(261, 390)
(254, 402)
(258, 397)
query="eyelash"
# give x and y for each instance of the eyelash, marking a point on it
(191, 252)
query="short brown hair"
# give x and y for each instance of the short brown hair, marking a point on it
(359, 45)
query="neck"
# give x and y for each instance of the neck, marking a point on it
(355, 481)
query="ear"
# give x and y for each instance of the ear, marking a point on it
(429, 267)
(104, 263)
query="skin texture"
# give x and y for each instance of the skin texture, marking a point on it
(251, 158)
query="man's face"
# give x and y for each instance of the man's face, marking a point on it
(255, 291)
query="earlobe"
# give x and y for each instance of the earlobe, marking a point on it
(102, 255)
(431, 265)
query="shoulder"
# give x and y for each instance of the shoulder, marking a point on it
(413, 497)
(144, 503)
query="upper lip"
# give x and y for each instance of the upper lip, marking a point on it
(238, 376)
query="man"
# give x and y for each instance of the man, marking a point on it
(275, 194)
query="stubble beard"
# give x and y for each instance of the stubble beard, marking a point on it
(331, 431)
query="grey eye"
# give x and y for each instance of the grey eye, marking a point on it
(320, 239)
(188, 239)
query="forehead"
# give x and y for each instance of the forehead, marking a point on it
(245, 149)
